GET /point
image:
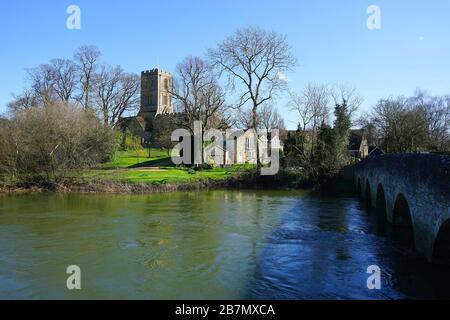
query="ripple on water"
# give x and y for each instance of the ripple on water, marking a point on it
(249, 244)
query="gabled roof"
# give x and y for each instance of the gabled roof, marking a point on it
(127, 121)
(375, 151)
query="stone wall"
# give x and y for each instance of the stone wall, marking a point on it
(424, 181)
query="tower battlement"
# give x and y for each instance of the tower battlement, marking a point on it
(156, 71)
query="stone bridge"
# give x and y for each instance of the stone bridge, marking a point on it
(411, 192)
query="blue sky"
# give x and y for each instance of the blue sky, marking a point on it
(329, 38)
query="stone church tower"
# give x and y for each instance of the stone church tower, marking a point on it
(156, 98)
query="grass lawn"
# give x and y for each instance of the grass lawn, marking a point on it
(137, 167)
(157, 176)
(139, 157)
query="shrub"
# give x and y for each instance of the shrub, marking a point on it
(128, 140)
(49, 141)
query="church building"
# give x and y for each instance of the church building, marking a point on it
(157, 102)
(156, 99)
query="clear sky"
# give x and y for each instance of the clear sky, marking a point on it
(330, 39)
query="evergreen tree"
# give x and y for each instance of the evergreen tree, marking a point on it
(342, 124)
(331, 153)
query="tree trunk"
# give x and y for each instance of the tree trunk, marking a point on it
(86, 94)
(255, 127)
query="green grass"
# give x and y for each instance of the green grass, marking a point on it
(139, 158)
(157, 176)
(135, 166)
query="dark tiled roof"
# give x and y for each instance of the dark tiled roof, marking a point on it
(375, 151)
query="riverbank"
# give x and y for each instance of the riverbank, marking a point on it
(151, 170)
(163, 180)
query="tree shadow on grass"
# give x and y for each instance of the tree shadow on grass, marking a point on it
(166, 162)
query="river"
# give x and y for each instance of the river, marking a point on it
(205, 245)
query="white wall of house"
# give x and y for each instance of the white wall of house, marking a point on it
(246, 149)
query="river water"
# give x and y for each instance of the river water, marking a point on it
(205, 245)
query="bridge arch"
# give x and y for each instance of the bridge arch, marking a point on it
(402, 214)
(416, 197)
(358, 188)
(441, 249)
(368, 194)
(380, 203)
(402, 220)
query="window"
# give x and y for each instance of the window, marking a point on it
(165, 100)
(166, 84)
(247, 143)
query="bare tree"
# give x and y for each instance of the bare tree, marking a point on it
(255, 62)
(199, 95)
(116, 92)
(400, 126)
(86, 58)
(365, 122)
(107, 91)
(244, 118)
(313, 108)
(49, 83)
(347, 95)
(417, 123)
(436, 111)
(22, 102)
(268, 118)
(43, 84)
(65, 76)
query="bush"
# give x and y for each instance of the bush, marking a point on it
(207, 166)
(52, 140)
(203, 166)
(128, 141)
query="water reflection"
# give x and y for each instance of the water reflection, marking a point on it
(205, 245)
(323, 247)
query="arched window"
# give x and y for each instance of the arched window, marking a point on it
(166, 84)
